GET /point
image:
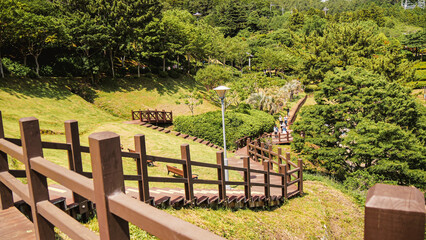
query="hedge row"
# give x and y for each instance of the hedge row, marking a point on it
(208, 126)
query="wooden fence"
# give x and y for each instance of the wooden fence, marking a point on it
(298, 107)
(153, 116)
(294, 172)
(114, 208)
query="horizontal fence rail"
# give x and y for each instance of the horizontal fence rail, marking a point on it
(153, 116)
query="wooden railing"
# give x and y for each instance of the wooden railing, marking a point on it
(114, 208)
(298, 107)
(153, 116)
(294, 172)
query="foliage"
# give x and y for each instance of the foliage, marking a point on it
(192, 100)
(213, 75)
(15, 68)
(363, 122)
(208, 126)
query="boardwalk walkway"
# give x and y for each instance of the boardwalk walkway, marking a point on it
(14, 225)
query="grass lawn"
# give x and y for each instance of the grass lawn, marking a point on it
(322, 213)
(122, 96)
(53, 105)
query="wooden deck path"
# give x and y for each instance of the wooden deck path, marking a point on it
(14, 225)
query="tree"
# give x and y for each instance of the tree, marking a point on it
(192, 100)
(213, 75)
(364, 122)
(5, 27)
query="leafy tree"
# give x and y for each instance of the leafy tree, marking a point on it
(213, 75)
(192, 100)
(363, 122)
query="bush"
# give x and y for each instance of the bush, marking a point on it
(209, 125)
(15, 68)
(163, 74)
(174, 74)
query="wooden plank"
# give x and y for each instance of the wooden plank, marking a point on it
(14, 225)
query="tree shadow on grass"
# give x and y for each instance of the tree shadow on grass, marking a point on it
(161, 85)
(53, 88)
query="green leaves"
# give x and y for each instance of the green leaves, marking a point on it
(363, 122)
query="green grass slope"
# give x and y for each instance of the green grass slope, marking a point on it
(121, 96)
(53, 104)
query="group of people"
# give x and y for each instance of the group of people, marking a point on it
(283, 125)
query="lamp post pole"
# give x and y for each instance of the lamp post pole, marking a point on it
(224, 141)
(221, 91)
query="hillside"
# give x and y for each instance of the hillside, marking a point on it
(121, 96)
(322, 212)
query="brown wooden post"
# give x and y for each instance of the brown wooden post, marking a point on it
(37, 183)
(288, 137)
(279, 136)
(72, 137)
(133, 117)
(283, 170)
(142, 165)
(221, 175)
(164, 116)
(140, 115)
(262, 147)
(156, 115)
(287, 159)
(247, 187)
(280, 160)
(266, 165)
(6, 197)
(300, 165)
(248, 147)
(270, 157)
(171, 116)
(148, 116)
(108, 180)
(187, 172)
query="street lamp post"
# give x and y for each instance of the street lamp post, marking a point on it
(221, 91)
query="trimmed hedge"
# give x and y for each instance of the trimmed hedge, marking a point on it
(208, 126)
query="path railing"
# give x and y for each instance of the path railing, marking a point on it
(153, 116)
(299, 105)
(114, 208)
(294, 172)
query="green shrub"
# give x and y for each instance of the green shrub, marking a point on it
(15, 68)
(311, 88)
(163, 74)
(173, 74)
(209, 125)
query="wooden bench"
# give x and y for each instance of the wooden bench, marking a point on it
(178, 172)
(150, 162)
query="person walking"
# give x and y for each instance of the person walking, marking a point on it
(276, 130)
(281, 120)
(285, 120)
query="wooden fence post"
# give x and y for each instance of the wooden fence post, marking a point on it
(133, 117)
(283, 170)
(247, 187)
(108, 180)
(280, 161)
(187, 172)
(221, 175)
(300, 165)
(270, 157)
(164, 116)
(142, 165)
(266, 165)
(148, 114)
(156, 115)
(140, 115)
(262, 154)
(6, 197)
(287, 159)
(248, 147)
(37, 183)
(288, 137)
(74, 156)
(171, 116)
